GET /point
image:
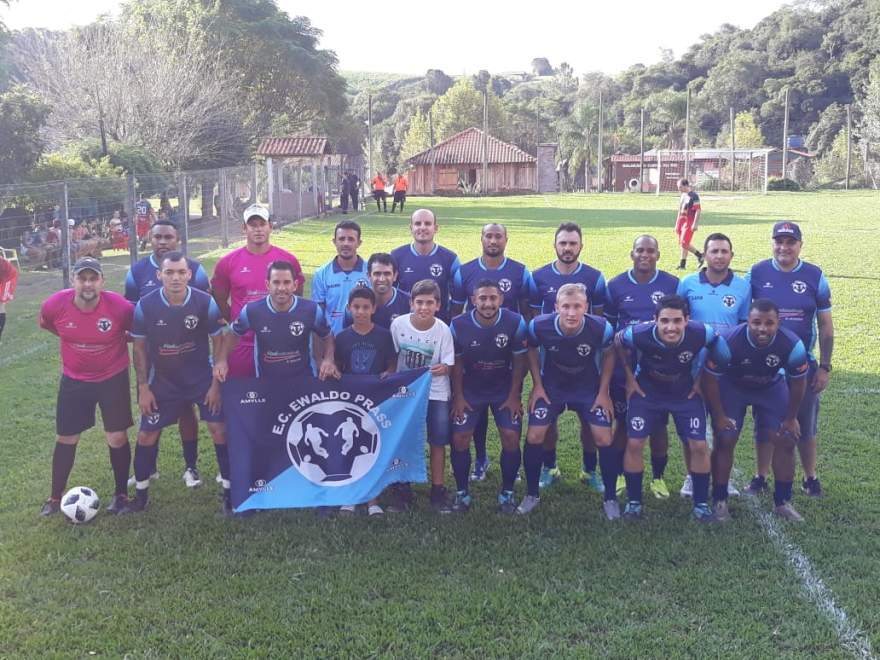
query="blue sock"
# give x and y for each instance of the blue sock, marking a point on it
(532, 459)
(618, 459)
(634, 486)
(222, 452)
(719, 492)
(549, 458)
(190, 452)
(461, 466)
(591, 459)
(608, 462)
(480, 437)
(658, 466)
(781, 492)
(144, 461)
(701, 487)
(510, 461)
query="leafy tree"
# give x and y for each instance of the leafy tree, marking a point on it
(462, 107)
(747, 133)
(831, 167)
(437, 82)
(541, 67)
(22, 118)
(418, 137)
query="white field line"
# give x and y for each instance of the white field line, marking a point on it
(852, 639)
(21, 355)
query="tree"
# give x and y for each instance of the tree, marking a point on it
(747, 133)
(418, 137)
(22, 118)
(870, 107)
(541, 67)
(462, 107)
(437, 82)
(831, 167)
(577, 139)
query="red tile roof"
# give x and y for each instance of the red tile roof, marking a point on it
(294, 146)
(466, 148)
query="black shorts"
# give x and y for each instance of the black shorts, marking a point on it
(379, 194)
(399, 196)
(75, 411)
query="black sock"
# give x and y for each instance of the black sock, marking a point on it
(658, 465)
(698, 254)
(701, 487)
(719, 492)
(510, 461)
(461, 467)
(222, 452)
(437, 490)
(2, 322)
(618, 459)
(549, 458)
(480, 431)
(62, 464)
(634, 486)
(154, 467)
(608, 462)
(190, 452)
(120, 461)
(781, 492)
(144, 460)
(591, 459)
(682, 263)
(532, 459)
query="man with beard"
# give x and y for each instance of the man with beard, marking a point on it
(332, 282)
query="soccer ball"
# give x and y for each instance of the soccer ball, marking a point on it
(80, 504)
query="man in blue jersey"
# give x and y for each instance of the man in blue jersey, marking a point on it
(546, 281)
(490, 364)
(803, 296)
(390, 301)
(718, 297)
(631, 298)
(283, 325)
(332, 282)
(744, 369)
(513, 279)
(573, 373)
(171, 332)
(668, 356)
(142, 279)
(423, 259)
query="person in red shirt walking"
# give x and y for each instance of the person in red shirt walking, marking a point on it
(92, 326)
(686, 224)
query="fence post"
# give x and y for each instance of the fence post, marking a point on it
(183, 208)
(255, 194)
(65, 239)
(299, 191)
(659, 172)
(130, 201)
(224, 206)
(766, 170)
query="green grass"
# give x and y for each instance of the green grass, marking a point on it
(180, 581)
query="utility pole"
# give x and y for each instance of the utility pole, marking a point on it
(642, 152)
(485, 182)
(785, 138)
(599, 177)
(687, 134)
(732, 153)
(848, 145)
(369, 136)
(431, 132)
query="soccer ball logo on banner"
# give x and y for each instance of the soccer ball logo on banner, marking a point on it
(333, 443)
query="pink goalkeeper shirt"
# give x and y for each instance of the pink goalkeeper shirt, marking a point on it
(94, 344)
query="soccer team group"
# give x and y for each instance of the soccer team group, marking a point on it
(624, 355)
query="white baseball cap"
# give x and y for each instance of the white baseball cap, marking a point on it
(256, 211)
(71, 222)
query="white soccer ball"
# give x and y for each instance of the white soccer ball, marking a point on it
(80, 504)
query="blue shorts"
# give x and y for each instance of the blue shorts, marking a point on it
(645, 416)
(808, 413)
(546, 414)
(170, 407)
(768, 404)
(503, 418)
(439, 424)
(617, 391)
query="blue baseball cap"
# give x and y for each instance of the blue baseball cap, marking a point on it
(787, 228)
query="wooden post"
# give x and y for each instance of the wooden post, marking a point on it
(732, 153)
(785, 137)
(485, 183)
(848, 145)
(299, 191)
(687, 134)
(599, 177)
(642, 152)
(659, 172)
(270, 175)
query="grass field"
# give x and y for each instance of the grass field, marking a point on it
(181, 581)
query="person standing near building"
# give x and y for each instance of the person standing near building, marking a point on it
(379, 193)
(344, 193)
(400, 187)
(354, 189)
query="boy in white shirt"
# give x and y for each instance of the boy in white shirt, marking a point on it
(421, 340)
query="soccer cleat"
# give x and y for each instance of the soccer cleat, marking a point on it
(51, 507)
(757, 486)
(721, 511)
(702, 513)
(732, 490)
(659, 489)
(191, 478)
(139, 504)
(621, 485)
(549, 476)
(375, 510)
(218, 478)
(592, 481)
(347, 510)
(321, 513)
(529, 503)
(787, 512)
(399, 498)
(132, 481)
(632, 510)
(462, 503)
(480, 470)
(611, 509)
(119, 505)
(687, 488)
(506, 502)
(440, 501)
(812, 487)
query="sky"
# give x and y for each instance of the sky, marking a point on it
(460, 36)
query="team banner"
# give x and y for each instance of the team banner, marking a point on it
(305, 442)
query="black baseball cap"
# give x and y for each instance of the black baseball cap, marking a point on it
(87, 263)
(787, 228)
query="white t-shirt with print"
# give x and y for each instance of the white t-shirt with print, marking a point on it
(424, 348)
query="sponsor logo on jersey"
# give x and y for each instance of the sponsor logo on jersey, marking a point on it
(252, 398)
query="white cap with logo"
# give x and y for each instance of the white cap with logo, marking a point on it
(256, 211)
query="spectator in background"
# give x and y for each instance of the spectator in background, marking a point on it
(344, 193)
(354, 189)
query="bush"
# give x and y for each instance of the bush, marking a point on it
(778, 183)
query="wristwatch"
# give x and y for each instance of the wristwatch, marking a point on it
(826, 367)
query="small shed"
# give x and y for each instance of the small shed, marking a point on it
(296, 171)
(455, 166)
